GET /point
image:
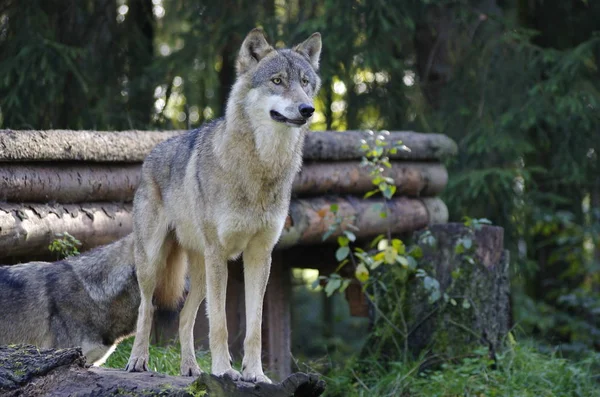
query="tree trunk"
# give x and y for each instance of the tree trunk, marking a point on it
(30, 371)
(479, 314)
(133, 146)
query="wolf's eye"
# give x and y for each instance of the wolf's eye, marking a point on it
(276, 81)
(304, 81)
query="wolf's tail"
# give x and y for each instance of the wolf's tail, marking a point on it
(171, 283)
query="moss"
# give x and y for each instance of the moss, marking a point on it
(197, 389)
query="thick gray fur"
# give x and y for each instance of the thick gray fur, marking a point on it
(221, 191)
(89, 300)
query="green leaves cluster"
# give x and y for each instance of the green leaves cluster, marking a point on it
(65, 245)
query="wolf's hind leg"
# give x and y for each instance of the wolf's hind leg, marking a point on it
(257, 265)
(187, 317)
(216, 288)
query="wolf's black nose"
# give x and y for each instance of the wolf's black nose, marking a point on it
(306, 110)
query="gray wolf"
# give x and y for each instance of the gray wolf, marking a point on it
(88, 300)
(222, 191)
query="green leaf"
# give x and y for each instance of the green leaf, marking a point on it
(390, 255)
(351, 236)
(453, 302)
(399, 246)
(361, 273)
(467, 243)
(315, 283)
(382, 244)
(371, 193)
(466, 304)
(332, 285)
(416, 252)
(412, 263)
(343, 241)
(459, 249)
(383, 214)
(376, 240)
(402, 260)
(342, 253)
(345, 285)
(328, 233)
(334, 208)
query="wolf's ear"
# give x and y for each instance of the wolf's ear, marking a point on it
(311, 48)
(254, 48)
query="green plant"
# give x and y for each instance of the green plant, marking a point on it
(520, 370)
(163, 359)
(64, 245)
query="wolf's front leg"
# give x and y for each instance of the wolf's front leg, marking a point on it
(216, 288)
(187, 317)
(257, 265)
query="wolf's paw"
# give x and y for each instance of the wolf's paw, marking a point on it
(230, 373)
(137, 364)
(190, 369)
(255, 377)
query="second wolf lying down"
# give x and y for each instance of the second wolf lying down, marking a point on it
(89, 300)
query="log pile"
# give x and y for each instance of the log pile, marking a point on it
(82, 182)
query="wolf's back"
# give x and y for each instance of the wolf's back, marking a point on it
(69, 302)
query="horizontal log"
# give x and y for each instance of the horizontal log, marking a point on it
(68, 183)
(335, 146)
(69, 145)
(28, 229)
(76, 182)
(133, 146)
(348, 177)
(310, 219)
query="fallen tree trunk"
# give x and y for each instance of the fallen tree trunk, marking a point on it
(68, 183)
(28, 229)
(77, 183)
(29, 371)
(348, 177)
(133, 146)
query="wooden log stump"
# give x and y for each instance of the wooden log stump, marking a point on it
(474, 278)
(29, 371)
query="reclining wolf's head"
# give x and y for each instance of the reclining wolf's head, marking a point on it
(279, 85)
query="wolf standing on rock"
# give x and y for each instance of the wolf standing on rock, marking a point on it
(222, 190)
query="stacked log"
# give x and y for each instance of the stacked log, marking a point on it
(83, 182)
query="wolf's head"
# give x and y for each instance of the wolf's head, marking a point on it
(281, 84)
